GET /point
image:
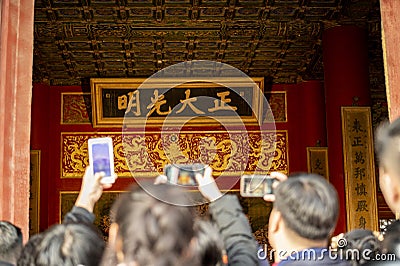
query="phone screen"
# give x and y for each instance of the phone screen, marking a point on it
(256, 185)
(101, 158)
(183, 174)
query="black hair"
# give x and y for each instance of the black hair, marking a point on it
(391, 244)
(27, 255)
(361, 240)
(391, 241)
(10, 242)
(152, 231)
(209, 244)
(308, 204)
(69, 244)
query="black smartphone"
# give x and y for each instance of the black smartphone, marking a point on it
(183, 174)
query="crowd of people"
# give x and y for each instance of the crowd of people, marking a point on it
(148, 231)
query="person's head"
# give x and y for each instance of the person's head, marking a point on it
(69, 244)
(387, 147)
(305, 210)
(390, 244)
(209, 245)
(29, 250)
(10, 242)
(391, 241)
(364, 242)
(147, 231)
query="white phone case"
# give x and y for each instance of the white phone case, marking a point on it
(101, 158)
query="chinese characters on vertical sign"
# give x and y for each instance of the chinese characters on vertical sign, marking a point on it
(317, 161)
(359, 168)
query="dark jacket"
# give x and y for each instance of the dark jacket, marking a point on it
(79, 215)
(319, 256)
(235, 229)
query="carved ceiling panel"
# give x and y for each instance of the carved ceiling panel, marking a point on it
(279, 39)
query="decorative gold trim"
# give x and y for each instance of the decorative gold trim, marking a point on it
(34, 203)
(139, 174)
(62, 122)
(316, 150)
(349, 165)
(97, 84)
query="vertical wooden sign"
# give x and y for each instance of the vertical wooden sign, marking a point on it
(359, 169)
(317, 161)
(34, 195)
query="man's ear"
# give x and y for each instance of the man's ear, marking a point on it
(275, 219)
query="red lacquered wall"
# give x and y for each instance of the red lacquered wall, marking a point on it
(305, 125)
(345, 58)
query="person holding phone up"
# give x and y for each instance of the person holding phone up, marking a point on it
(225, 210)
(76, 241)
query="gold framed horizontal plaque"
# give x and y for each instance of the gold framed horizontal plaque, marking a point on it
(361, 203)
(207, 101)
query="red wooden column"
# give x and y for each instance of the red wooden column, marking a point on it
(313, 105)
(306, 121)
(345, 57)
(390, 15)
(16, 56)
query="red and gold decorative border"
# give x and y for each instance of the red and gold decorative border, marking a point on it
(359, 168)
(225, 152)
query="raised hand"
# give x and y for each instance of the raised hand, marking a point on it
(91, 189)
(280, 177)
(207, 186)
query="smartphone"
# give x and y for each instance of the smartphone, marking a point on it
(256, 185)
(183, 174)
(101, 158)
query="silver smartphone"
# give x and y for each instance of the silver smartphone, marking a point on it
(256, 185)
(101, 158)
(183, 174)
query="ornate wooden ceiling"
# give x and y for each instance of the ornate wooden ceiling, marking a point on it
(280, 39)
